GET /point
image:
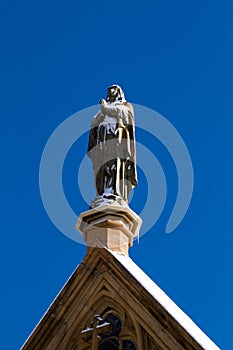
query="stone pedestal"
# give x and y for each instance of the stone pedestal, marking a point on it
(113, 227)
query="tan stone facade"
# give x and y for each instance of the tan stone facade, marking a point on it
(102, 285)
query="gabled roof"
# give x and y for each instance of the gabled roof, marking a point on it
(160, 297)
(109, 278)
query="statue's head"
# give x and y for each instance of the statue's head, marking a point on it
(115, 93)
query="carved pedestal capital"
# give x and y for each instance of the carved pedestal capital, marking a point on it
(113, 227)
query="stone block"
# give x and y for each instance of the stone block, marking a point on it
(112, 227)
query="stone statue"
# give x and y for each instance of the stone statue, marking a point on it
(112, 149)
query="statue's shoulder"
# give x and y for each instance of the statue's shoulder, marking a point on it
(128, 104)
(130, 107)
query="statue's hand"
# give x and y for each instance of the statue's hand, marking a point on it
(120, 121)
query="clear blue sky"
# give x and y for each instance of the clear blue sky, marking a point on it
(175, 57)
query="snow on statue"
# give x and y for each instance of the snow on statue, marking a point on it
(112, 149)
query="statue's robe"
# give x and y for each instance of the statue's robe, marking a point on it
(112, 149)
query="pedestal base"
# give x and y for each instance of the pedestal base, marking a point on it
(113, 227)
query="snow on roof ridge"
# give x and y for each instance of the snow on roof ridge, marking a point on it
(162, 298)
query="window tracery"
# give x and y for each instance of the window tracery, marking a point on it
(108, 332)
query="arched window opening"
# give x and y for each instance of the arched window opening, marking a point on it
(104, 333)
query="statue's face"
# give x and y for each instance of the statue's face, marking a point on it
(112, 93)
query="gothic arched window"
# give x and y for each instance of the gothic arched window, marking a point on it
(108, 333)
(112, 340)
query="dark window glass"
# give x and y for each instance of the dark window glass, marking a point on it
(116, 326)
(109, 344)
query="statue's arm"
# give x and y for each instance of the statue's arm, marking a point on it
(121, 111)
(106, 109)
